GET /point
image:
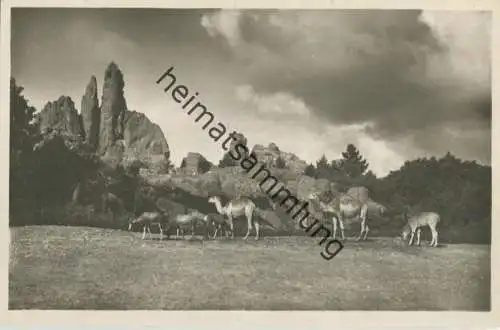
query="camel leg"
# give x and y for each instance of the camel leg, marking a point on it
(161, 232)
(231, 225)
(215, 233)
(434, 237)
(144, 233)
(362, 229)
(411, 238)
(249, 226)
(257, 228)
(177, 233)
(418, 236)
(362, 217)
(367, 229)
(341, 225)
(149, 232)
(334, 225)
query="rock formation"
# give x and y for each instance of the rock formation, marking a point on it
(60, 116)
(113, 106)
(91, 114)
(270, 154)
(116, 134)
(194, 163)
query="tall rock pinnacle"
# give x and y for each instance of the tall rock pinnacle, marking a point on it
(113, 107)
(91, 114)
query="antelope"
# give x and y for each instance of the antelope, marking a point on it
(422, 219)
(181, 220)
(218, 221)
(147, 219)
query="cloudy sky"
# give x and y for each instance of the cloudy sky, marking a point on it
(397, 84)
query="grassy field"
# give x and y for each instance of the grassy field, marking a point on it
(55, 267)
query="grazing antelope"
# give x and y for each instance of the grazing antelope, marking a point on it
(217, 221)
(147, 219)
(414, 222)
(182, 220)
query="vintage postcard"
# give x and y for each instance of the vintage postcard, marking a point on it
(249, 162)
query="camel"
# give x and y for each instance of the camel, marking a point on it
(422, 219)
(238, 207)
(345, 206)
(235, 208)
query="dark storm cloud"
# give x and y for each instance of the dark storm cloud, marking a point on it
(392, 69)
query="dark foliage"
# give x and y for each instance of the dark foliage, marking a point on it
(280, 162)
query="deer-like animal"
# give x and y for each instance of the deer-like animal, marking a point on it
(415, 222)
(147, 219)
(180, 221)
(219, 222)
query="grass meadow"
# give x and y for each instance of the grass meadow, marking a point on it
(58, 267)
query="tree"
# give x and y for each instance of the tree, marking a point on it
(322, 168)
(166, 167)
(353, 163)
(22, 131)
(310, 170)
(280, 162)
(204, 165)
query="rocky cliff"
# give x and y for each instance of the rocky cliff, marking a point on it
(115, 133)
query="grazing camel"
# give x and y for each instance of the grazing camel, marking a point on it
(345, 206)
(217, 221)
(422, 219)
(147, 219)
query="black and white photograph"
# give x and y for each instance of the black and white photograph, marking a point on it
(248, 159)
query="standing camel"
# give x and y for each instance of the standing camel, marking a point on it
(422, 219)
(235, 208)
(345, 206)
